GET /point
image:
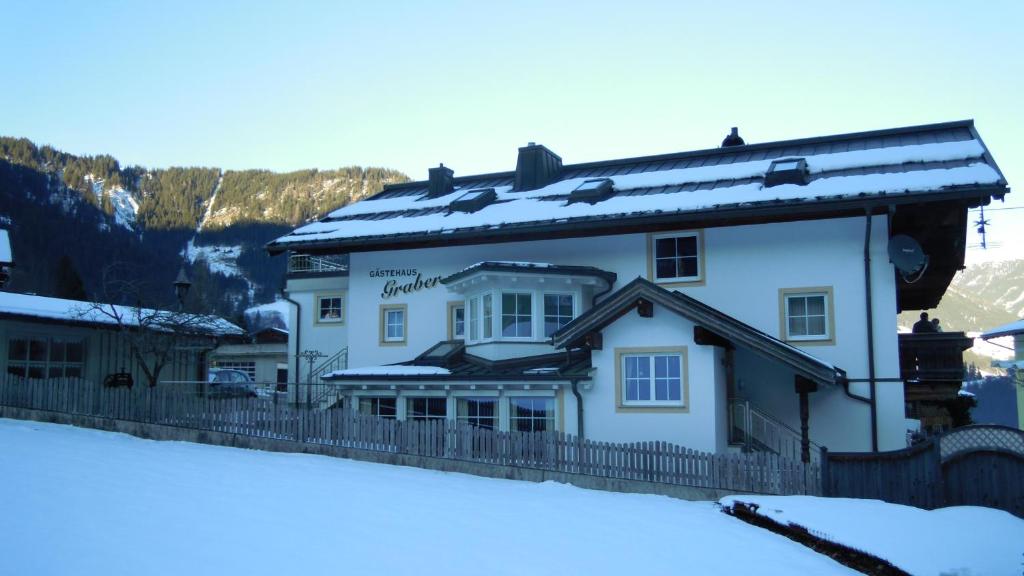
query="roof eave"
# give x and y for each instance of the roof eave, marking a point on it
(594, 226)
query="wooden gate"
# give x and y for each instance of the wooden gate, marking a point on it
(971, 466)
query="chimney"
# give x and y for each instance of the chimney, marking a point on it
(733, 139)
(536, 167)
(441, 181)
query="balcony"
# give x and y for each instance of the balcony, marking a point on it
(932, 364)
(308, 265)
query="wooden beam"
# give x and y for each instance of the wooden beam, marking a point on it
(645, 308)
(705, 337)
(595, 341)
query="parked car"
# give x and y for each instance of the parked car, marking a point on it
(228, 383)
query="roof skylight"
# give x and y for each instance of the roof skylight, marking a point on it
(592, 190)
(473, 200)
(786, 171)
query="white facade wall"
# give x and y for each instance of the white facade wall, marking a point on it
(326, 338)
(701, 426)
(745, 267)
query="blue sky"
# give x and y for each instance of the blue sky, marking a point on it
(290, 85)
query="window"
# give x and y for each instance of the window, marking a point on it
(393, 326)
(558, 311)
(474, 318)
(247, 367)
(380, 407)
(807, 314)
(516, 315)
(44, 357)
(330, 309)
(482, 412)
(677, 257)
(653, 378)
(456, 321)
(423, 409)
(488, 316)
(532, 414)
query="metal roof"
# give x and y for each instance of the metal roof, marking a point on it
(405, 217)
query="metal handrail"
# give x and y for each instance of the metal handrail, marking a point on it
(315, 264)
(762, 432)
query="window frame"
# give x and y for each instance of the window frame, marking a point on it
(374, 402)
(532, 315)
(652, 405)
(340, 321)
(553, 416)
(652, 259)
(46, 363)
(473, 419)
(247, 366)
(453, 307)
(573, 312)
(385, 309)
(428, 414)
(829, 338)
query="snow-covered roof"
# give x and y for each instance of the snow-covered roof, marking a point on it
(76, 312)
(390, 370)
(904, 161)
(529, 268)
(1005, 330)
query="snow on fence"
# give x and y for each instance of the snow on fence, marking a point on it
(269, 415)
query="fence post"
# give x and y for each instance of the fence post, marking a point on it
(826, 480)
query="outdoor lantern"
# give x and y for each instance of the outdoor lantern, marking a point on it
(181, 286)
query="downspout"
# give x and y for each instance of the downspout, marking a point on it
(871, 334)
(579, 408)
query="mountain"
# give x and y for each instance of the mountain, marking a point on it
(119, 224)
(980, 297)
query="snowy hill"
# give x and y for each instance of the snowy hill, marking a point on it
(980, 297)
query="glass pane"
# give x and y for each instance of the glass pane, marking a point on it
(55, 372)
(644, 392)
(687, 267)
(73, 371)
(524, 304)
(17, 349)
(16, 370)
(798, 326)
(56, 351)
(675, 390)
(37, 350)
(797, 306)
(665, 268)
(632, 390)
(75, 351)
(664, 247)
(816, 325)
(661, 366)
(816, 305)
(508, 304)
(508, 325)
(35, 372)
(387, 407)
(474, 319)
(551, 304)
(488, 316)
(686, 246)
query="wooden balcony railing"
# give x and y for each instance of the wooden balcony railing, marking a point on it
(933, 357)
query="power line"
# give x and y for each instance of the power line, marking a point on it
(1000, 209)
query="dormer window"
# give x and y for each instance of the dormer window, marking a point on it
(786, 171)
(516, 314)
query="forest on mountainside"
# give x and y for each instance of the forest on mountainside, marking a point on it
(99, 213)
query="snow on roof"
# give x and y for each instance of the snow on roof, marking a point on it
(391, 370)
(839, 175)
(5, 248)
(76, 312)
(1005, 330)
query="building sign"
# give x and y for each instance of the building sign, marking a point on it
(403, 281)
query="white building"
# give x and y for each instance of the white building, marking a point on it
(1015, 329)
(678, 298)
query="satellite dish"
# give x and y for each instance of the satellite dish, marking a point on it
(908, 257)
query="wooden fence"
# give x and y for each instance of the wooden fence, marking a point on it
(271, 416)
(974, 465)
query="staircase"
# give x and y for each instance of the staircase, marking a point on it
(754, 430)
(325, 394)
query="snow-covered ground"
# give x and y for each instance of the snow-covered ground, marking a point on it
(955, 541)
(78, 501)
